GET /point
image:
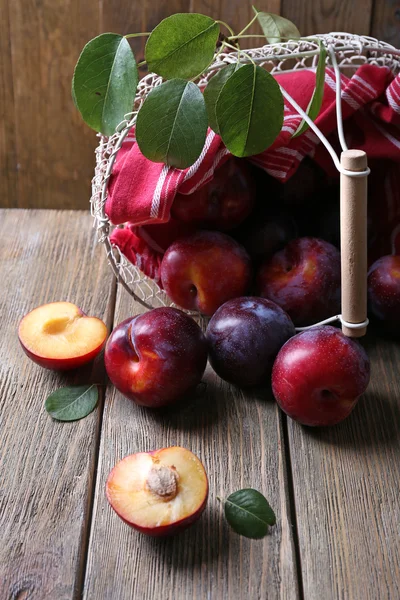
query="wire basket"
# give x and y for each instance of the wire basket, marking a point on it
(346, 52)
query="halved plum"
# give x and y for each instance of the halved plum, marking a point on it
(158, 493)
(60, 336)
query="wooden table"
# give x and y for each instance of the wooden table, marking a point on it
(336, 491)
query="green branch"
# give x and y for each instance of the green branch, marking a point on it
(133, 35)
(248, 25)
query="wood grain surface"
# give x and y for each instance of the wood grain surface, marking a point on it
(8, 153)
(385, 24)
(46, 466)
(346, 483)
(336, 491)
(237, 14)
(321, 16)
(46, 151)
(54, 155)
(239, 438)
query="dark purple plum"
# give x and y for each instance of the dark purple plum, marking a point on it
(244, 336)
(384, 291)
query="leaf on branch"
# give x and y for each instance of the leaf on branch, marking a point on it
(171, 126)
(105, 81)
(213, 90)
(248, 513)
(72, 403)
(315, 103)
(249, 111)
(276, 28)
(182, 46)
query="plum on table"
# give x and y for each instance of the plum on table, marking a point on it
(245, 335)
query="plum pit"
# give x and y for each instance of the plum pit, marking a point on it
(163, 482)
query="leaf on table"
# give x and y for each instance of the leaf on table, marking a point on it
(105, 81)
(249, 111)
(276, 28)
(213, 90)
(315, 103)
(73, 402)
(182, 46)
(248, 513)
(171, 126)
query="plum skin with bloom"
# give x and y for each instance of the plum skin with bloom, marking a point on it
(384, 291)
(221, 204)
(202, 271)
(245, 335)
(157, 357)
(304, 279)
(319, 375)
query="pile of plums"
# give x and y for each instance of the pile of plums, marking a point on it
(158, 358)
(277, 268)
(246, 233)
(260, 259)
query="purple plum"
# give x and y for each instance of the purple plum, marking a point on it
(244, 336)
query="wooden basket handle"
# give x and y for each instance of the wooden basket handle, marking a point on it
(353, 241)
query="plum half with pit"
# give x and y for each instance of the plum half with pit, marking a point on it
(158, 493)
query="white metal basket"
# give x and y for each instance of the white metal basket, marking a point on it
(345, 52)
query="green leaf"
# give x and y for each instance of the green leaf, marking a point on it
(249, 111)
(105, 81)
(73, 95)
(276, 28)
(213, 90)
(315, 103)
(182, 46)
(171, 126)
(249, 513)
(72, 403)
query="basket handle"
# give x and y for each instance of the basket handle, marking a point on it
(353, 234)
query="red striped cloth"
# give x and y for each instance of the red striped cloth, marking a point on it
(141, 192)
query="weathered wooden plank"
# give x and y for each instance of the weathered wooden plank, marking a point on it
(46, 466)
(135, 17)
(323, 16)
(55, 148)
(157, 10)
(237, 14)
(347, 493)
(239, 438)
(8, 153)
(46, 151)
(125, 17)
(385, 23)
